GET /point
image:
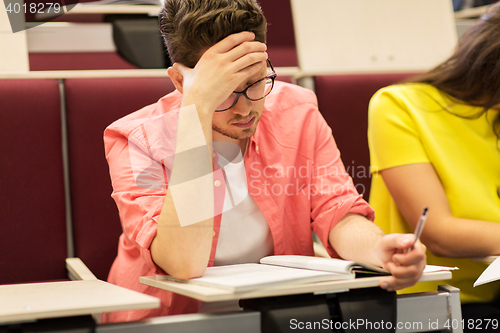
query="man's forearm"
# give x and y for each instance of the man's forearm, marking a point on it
(355, 238)
(181, 251)
(185, 227)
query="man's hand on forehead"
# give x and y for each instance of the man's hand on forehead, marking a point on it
(242, 50)
(221, 69)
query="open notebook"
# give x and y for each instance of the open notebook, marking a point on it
(279, 270)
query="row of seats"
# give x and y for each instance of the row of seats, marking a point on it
(343, 101)
(280, 41)
(34, 202)
(33, 206)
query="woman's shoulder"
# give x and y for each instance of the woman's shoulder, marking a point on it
(410, 96)
(402, 90)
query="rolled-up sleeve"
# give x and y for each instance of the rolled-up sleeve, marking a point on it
(333, 194)
(139, 205)
(140, 155)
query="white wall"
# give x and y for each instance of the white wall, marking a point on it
(14, 47)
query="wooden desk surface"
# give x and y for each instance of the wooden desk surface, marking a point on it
(112, 73)
(208, 294)
(31, 301)
(470, 13)
(89, 8)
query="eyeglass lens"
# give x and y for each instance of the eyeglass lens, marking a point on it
(254, 92)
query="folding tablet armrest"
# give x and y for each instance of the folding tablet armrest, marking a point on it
(77, 270)
(430, 311)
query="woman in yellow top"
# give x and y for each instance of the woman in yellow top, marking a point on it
(435, 142)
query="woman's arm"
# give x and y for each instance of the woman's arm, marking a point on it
(414, 186)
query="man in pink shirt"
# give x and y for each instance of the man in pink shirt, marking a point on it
(233, 166)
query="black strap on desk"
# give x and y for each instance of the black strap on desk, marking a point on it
(359, 310)
(372, 310)
(283, 313)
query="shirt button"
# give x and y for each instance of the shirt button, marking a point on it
(257, 148)
(217, 183)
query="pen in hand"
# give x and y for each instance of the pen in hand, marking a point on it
(419, 227)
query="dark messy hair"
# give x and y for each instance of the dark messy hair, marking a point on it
(472, 73)
(189, 27)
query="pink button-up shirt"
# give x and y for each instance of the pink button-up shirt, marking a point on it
(294, 174)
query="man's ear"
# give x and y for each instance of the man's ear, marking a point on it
(176, 77)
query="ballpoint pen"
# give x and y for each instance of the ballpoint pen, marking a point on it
(419, 227)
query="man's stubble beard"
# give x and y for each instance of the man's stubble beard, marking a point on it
(246, 133)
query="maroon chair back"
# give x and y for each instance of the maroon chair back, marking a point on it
(93, 104)
(77, 61)
(343, 100)
(32, 207)
(280, 35)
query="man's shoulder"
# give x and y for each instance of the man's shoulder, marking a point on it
(290, 112)
(130, 122)
(287, 96)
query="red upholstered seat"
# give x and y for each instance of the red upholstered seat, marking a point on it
(32, 210)
(343, 101)
(93, 104)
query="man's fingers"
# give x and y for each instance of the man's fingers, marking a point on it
(391, 283)
(245, 49)
(397, 241)
(402, 277)
(246, 55)
(405, 272)
(233, 40)
(251, 63)
(412, 257)
(241, 46)
(405, 266)
(237, 53)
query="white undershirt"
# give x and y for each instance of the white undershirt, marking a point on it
(244, 235)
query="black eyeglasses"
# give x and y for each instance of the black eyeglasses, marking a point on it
(254, 92)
